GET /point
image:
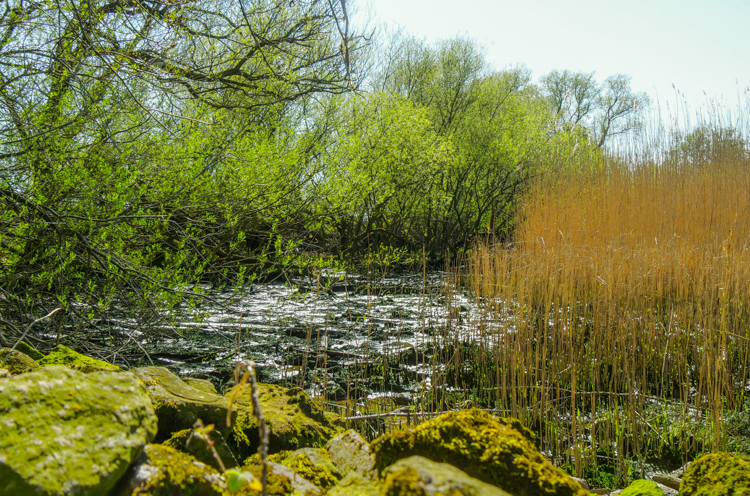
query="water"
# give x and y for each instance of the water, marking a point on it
(354, 337)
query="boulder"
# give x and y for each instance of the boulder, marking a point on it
(314, 465)
(418, 476)
(29, 350)
(349, 452)
(717, 474)
(353, 484)
(294, 420)
(62, 355)
(16, 362)
(642, 488)
(490, 450)
(179, 405)
(65, 432)
(200, 384)
(302, 486)
(200, 451)
(164, 471)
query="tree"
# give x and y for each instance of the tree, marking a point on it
(605, 111)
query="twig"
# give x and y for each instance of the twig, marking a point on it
(27, 330)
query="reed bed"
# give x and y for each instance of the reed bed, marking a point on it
(618, 321)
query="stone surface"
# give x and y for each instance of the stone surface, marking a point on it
(164, 471)
(62, 355)
(16, 362)
(353, 484)
(65, 432)
(315, 465)
(293, 419)
(179, 405)
(490, 450)
(642, 488)
(717, 474)
(667, 480)
(418, 476)
(200, 451)
(200, 384)
(582, 482)
(299, 483)
(349, 452)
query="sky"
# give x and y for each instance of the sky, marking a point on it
(702, 47)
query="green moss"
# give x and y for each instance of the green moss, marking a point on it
(16, 362)
(354, 484)
(62, 431)
(200, 384)
(177, 473)
(293, 419)
(717, 474)
(278, 485)
(200, 451)
(315, 465)
(29, 350)
(642, 488)
(62, 355)
(483, 447)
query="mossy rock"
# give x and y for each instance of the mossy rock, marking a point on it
(16, 362)
(200, 384)
(353, 484)
(164, 471)
(350, 452)
(294, 420)
(485, 448)
(62, 355)
(278, 484)
(179, 405)
(199, 450)
(418, 476)
(315, 465)
(65, 432)
(717, 474)
(27, 349)
(642, 488)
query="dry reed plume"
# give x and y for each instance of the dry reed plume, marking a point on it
(618, 322)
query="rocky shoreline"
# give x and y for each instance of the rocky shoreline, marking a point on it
(70, 424)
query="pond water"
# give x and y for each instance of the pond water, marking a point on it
(351, 337)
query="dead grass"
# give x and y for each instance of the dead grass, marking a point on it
(618, 322)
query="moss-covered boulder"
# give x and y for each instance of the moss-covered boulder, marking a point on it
(293, 419)
(29, 350)
(179, 405)
(62, 355)
(65, 432)
(642, 488)
(349, 452)
(353, 484)
(418, 476)
(483, 447)
(200, 384)
(315, 465)
(717, 474)
(164, 471)
(16, 362)
(198, 449)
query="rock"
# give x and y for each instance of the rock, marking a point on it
(16, 362)
(164, 471)
(65, 432)
(299, 483)
(315, 465)
(5, 373)
(582, 482)
(353, 484)
(418, 476)
(200, 451)
(667, 480)
(642, 488)
(717, 474)
(200, 384)
(29, 350)
(294, 420)
(349, 452)
(62, 355)
(179, 405)
(477, 443)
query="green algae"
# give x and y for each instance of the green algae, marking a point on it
(65, 432)
(62, 355)
(16, 362)
(717, 474)
(483, 447)
(642, 488)
(294, 420)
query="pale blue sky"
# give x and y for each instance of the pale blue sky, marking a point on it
(697, 45)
